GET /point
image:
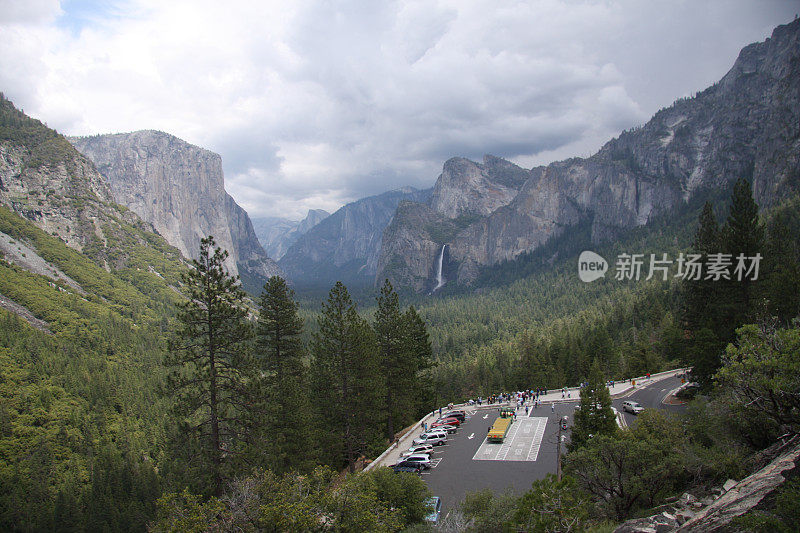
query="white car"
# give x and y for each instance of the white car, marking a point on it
(434, 438)
(420, 458)
(418, 448)
(632, 407)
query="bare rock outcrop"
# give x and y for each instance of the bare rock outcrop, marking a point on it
(716, 512)
(469, 188)
(178, 188)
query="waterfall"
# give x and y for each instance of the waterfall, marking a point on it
(439, 279)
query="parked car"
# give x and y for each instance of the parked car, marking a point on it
(407, 466)
(434, 503)
(632, 407)
(420, 458)
(434, 438)
(445, 427)
(418, 448)
(452, 421)
(461, 415)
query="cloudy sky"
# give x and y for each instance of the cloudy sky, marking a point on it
(314, 103)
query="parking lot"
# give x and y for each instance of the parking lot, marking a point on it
(521, 444)
(467, 463)
(527, 453)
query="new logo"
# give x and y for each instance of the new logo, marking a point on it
(591, 266)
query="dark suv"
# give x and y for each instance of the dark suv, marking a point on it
(408, 466)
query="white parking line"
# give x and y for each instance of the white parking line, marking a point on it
(533, 452)
(524, 438)
(508, 441)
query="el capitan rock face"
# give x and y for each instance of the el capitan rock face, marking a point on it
(746, 125)
(179, 189)
(45, 180)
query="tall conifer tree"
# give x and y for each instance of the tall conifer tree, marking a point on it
(283, 404)
(211, 368)
(595, 416)
(419, 355)
(703, 304)
(700, 294)
(348, 388)
(742, 234)
(398, 371)
(781, 285)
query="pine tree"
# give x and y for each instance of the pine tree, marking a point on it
(398, 368)
(742, 234)
(418, 354)
(743, 231)
(595, 416)
(348, 387)
(781, 285)
(283, 403)
(211, 368)
(703, 304)
(700, 295)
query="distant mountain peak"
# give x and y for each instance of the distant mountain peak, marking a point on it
(345, 246)
(278, 234)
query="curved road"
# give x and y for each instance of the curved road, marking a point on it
(651, 396)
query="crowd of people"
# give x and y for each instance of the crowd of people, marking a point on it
(531, 397)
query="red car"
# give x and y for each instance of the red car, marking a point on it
(451, 421)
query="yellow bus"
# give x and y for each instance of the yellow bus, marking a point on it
(499, 429)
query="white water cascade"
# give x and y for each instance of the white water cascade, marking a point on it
(439, 280)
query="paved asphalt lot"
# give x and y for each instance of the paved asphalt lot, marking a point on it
(464, 464)
(522, 443)
(457, 473)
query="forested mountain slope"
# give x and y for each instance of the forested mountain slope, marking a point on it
(103, 385)
(80, 415)
(534, 323)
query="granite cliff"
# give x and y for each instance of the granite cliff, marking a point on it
(346, 244)
(465, 193)
(747, 124)
(179, 189)
(45, 180)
